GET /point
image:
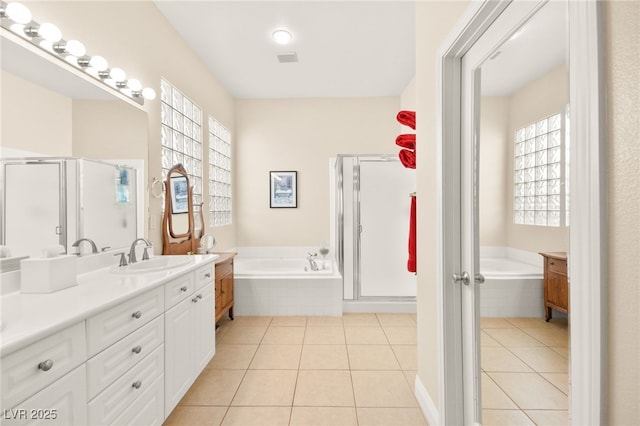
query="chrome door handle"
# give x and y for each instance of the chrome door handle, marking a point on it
(478, 278)
(45, 365)
(463, 278)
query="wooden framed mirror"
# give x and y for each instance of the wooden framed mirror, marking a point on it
(178, 227)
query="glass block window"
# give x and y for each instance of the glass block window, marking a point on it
(219, 174)
(540, 172)
(182, 139)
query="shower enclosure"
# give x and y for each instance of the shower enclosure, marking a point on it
(371, 230)
(48, 201)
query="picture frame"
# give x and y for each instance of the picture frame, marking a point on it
(283, 189)
(179, 194)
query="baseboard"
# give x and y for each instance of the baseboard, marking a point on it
(360, 306)
(426, 404)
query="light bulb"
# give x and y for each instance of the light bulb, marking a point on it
(46, 45)
(18, 29)
(92, 71)
(99, 63)
(282, 36)
(148, 93)
(49, 32)
(75, 48)
(118, 74)
(18, 13)
(134, 85)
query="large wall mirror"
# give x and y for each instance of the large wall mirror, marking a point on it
(523, 203)
(51, 111)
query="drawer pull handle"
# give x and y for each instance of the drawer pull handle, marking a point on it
(199, 296)
(136, 314)
(137, 349)
(194, 300)
(207, 275)
(183, 288)
(137, 384)
(45, 365)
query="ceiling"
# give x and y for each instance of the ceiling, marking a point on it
(344, 48)
(537, 48)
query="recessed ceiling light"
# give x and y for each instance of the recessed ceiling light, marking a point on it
(282, 36)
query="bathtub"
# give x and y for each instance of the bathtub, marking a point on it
(278, 281)
(513, 284)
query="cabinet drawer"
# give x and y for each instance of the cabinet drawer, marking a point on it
(113, 401)
(64, 402)
(204, 275)
(148, 409)
(223, 269)
(24, 372)
(178, 290)
(104, 368)
(110, 326)
(557, 265)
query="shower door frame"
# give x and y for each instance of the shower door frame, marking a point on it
(357, 229)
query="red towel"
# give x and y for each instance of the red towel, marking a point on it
(411, 263)
(408, 118)
(407, 158)
(406, 141)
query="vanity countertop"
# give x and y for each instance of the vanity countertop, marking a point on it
(27, 318)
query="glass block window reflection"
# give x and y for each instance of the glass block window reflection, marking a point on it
(540, 170)
(182, 139)
(219, 174)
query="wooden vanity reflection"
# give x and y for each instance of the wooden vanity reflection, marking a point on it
(556, 283)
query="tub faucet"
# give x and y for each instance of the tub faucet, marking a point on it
(94, 249)
(132, 251)
(312, 262)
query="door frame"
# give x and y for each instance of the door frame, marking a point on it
(588, 252)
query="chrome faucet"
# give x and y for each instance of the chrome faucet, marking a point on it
(94, 249)
(132, 251)
(312, 262)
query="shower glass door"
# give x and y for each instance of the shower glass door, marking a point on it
(383, 211)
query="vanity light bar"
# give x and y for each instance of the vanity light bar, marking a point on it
(17, 18)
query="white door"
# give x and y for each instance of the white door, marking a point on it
(178, 346)
(469, 277)
(34, 209)
(384, 206)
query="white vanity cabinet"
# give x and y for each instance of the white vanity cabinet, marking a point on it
(126, 344)
(120, 363)
(45, 381)
(189, 338)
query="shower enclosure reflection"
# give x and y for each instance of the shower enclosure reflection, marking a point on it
(55, 201)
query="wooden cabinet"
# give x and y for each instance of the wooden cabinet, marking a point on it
(556, 283)
(224, 285)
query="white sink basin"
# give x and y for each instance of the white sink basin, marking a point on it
(159, 263)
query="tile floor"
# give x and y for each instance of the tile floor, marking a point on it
(359, 369)
(524, 371)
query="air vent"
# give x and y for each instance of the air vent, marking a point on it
(287, 57)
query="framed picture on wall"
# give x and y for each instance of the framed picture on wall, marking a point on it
(179, 194)
(283, 190)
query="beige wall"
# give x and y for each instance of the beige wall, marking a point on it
(494, 166)
(623, 135)
(500, 118)
(434, 21)
(108, 130)
(34, 119)
(544, 97)
(145, 45)
(301, 135)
